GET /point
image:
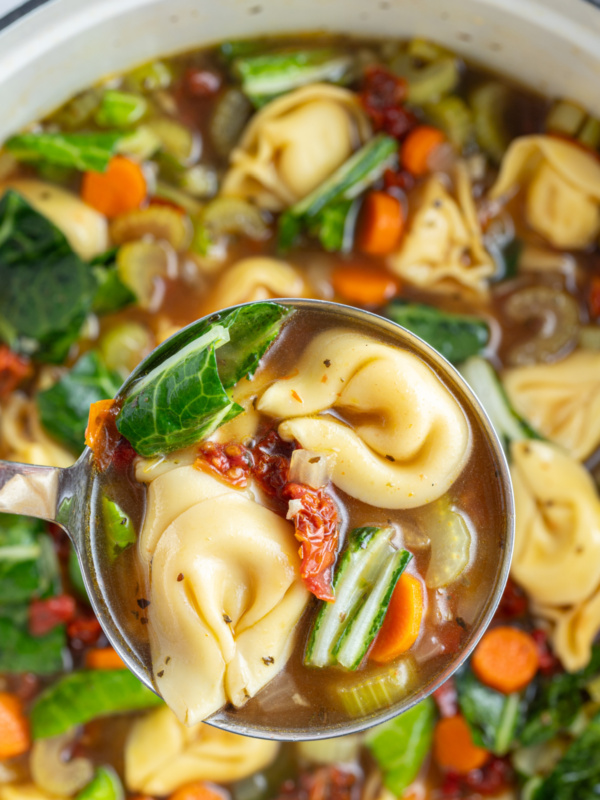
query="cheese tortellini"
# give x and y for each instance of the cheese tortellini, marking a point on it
(561, 400)
(162, 754)
(225, 592)
(561, 182)
(413, 439)
(444, 246)
(23, 439)
(294, 143)
(557, 541)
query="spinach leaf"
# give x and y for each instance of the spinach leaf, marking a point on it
(22, 652)
(47, 290)
(455, 336)
(494, 718)
(577, 774)
(82, 151)
(334, 226)
(64, 408)
(401, 745)
(82, 696)
(118, 528)
(187, 396)
(28, 565)
(111, 293)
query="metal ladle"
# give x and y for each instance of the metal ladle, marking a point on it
(63, 496)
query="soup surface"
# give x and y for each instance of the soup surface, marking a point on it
(382, 174)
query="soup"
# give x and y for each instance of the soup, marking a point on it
(388, 175)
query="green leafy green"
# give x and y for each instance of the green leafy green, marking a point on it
(105, 785)
(401, 745)
(577, 774)
(348, 181)
(334, 226)
(120, 109)
(82, 151)
(28, 565)
(455, 336)
(111, 293)
(22, 652)
(118, 527)
(47, 290)
(494, 718)
(85, 695)
(187, 396)
(64, 408)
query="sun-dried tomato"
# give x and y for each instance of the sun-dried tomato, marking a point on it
(495, 776)
(45, 615)
(446, 698)
(594, 297)
(382, 96)
(398, 179)
(202, 82)
(316, 523)
(123, 455)
(272, 463)
(513, 602)
(325, 783)
(548, 663)
(13, 370)
(84, 631)
(231, 462)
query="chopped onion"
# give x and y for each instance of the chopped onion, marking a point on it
(589, 337)
(341, 750)
(157, 222)
(52, 773)
(141, 267)
(538, 259)
(232, 215)
(311, 468)
(125, 345)
(450, 545)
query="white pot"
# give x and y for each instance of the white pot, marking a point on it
(62, 46)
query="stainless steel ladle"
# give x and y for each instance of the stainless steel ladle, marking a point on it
(64, 496)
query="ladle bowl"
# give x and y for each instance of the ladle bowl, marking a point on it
(64, 496)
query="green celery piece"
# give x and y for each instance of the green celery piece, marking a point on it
(577, 774)
(111, 294)
(22, 652)
(28, 565)
(455, 336)
(187, 396)
(64, 408)
(150, 77)
(494, 718)
(85, 695)
(489, 102)
(401, 745)
(118, 528)
(454, 117)
(239, 48)
(120, 109)
(376, 689)
(334, 226)
(105, 785)
(82, 151)
(265, 76)
(47, 290)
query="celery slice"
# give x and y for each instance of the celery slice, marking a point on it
(378, 690)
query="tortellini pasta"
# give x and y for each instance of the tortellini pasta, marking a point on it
(26, 791)
(294, 143)
(561, 182)
(557, 543)
(444, 244)
(258, 278)
(573, 630)
(226, 593)
(23, 439)
(561, 400)
(162, 754)
(415, 439)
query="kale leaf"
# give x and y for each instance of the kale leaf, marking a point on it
(47, 290)
(22, 652)
(28, 566)
(455, 336)
(82, 151)
(187, 396)
(111, 293)
(64, 408)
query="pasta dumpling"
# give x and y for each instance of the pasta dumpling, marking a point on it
(294, 143)
(162, 754)
(226, 593)
(415, 439)
(561, 400)
(573, 630)
(561, 182)
(444, 245)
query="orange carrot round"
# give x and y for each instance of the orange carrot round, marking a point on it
(14, 728)
(368, 286)
(380, 224)
(418, 147)
(120, 189)
(506, 659)
(197, 791)
(402, 621)
(103, 658)
(453, 746)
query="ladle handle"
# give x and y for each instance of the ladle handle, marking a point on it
(29, 490)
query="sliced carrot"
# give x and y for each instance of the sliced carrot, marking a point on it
(103, 658)
(120, 189)
(402, 621)
(453, 746)
(14, 728)
(506, 659)
(369, 286)
(197, 791)
(418, 147)
(380, 224)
